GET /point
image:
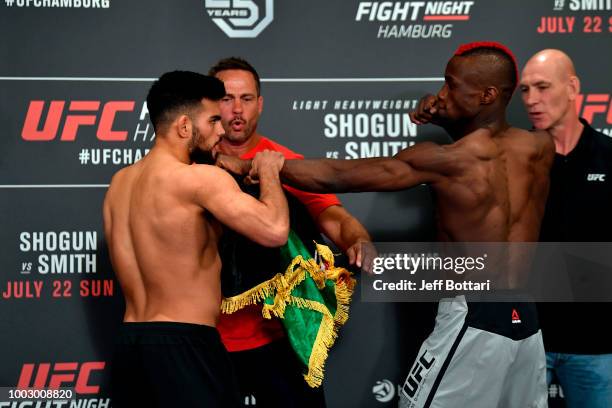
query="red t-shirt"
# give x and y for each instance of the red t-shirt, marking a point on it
(247, 329)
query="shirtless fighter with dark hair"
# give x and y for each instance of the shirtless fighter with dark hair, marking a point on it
(162, 239)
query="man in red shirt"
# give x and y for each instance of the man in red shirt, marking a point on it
(254, 342)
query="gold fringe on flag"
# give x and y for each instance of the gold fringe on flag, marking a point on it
(280, 287)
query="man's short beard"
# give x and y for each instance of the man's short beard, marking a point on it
(237, 139)
(196, 154)
(200, 156)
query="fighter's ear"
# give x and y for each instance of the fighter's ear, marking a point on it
(573, 87)
(183, 126)
(489, 95)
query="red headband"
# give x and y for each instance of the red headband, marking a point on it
(489, 44)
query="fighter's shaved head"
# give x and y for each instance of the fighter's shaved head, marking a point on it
(491, 48)
(496, 66)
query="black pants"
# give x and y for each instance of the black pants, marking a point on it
(167, 364)
(272, 374)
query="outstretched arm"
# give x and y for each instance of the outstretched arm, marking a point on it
(421, 163)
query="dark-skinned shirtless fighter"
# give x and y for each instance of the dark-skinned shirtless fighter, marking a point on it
(490, 185)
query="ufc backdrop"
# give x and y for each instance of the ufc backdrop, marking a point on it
(338, 78)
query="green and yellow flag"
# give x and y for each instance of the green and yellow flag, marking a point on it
(311, 297)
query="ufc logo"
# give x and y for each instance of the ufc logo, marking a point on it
(594, 104)
(596, 177)
(66, 374)
(72, 122)
(416, 378)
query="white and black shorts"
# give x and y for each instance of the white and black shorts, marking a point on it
(480, 354)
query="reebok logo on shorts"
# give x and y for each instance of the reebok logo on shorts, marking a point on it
(515, 317)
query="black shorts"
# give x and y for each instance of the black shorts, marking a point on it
(271, 377)
(168, 364)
